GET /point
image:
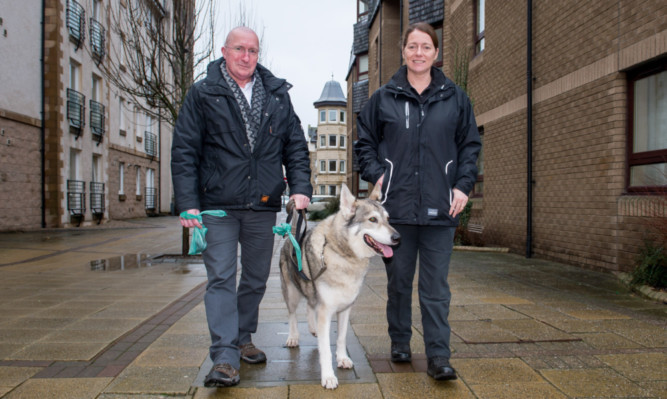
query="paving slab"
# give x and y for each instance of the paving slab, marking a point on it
(639, 366)
(606, 383)
(419, 385)
(70, 388)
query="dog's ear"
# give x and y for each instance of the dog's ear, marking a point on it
(347, 200)
(376, 194)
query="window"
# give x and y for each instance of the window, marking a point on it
(478, 188)
(362, 7)
(323, 166)
(332, 140)
(479, 26)
(342, 116)
(647, 137)
(332, 166)
(76, 22)
(74, 75)
(333, 114)
(121, 116)
(341, 140)
(323, 141)
(323, 116)
(362, 64)
(121, 178)
(332, 190)
(76, 101)
(341, 167)
(323, 190)
(138, 181)
(438, 33)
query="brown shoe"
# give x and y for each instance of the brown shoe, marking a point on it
(250, 354)
(222, 375)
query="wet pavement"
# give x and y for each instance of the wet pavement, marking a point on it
(112, 311)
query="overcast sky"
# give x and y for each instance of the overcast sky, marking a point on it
(304, 41)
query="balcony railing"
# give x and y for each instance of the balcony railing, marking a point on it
(150, 143)
(76, 107)
(76, 22)
(97, 198)
(76, 197)
(151, 198)
(97, 40)
(97, 120)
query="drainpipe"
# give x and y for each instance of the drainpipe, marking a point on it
(400, 33)
(43, 110)
(529, 130)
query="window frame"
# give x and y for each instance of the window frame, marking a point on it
(362, 75)
(341, 141)
(323, 166)
(341, 166)
(335, 140)
(646, 157)
(334, 113)
(323, 141)
(334, 163)
(323, 116)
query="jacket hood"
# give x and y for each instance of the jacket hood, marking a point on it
(271, 82)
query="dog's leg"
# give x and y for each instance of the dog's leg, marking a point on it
(312, 322)
(342, 358)
(324, 316)
(292, 299)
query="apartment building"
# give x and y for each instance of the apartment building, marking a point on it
(570, 99)
(330, 157)
(78, 150)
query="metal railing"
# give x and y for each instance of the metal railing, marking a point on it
(150, 143)
(76, 197)
(76, 22)
(97, 40)
(76, 108)
(97, 120)
(151, 198)
(97, 206)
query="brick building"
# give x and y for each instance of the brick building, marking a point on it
(74, 150)
(572, 113)
(329, 160)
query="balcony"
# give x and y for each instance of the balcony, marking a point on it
(76, 109)
(76, 197)
(150, 144)
(97, 198)
(97, 120)
(76, 22)
(151, 198)
(97, 40)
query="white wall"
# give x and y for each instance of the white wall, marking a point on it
(20, 71)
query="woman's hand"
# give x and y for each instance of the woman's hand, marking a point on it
(458, 202)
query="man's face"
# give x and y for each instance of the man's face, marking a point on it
(241, 52)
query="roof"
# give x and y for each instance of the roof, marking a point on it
(332, 94)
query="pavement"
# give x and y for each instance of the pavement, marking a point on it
(113, 311)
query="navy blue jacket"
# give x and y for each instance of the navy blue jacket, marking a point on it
(424, 145)
(211, 162)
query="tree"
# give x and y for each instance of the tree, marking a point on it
(154, 59)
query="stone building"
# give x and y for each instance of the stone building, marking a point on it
(570, 100)
(330, 156)
(75, 150)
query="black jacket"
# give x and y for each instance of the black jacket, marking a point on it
(211, 163)
(424, 145)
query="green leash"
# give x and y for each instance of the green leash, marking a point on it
(198, 244)
(286, 228)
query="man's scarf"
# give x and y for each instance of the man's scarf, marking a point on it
(252, 115)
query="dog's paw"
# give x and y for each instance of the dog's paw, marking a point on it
(292, 342)
(312, 330)
(345, 363)
(329, 382)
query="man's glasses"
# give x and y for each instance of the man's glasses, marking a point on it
(253, 52)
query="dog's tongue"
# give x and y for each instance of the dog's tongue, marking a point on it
(387, 252)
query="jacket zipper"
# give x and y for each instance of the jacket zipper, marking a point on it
(447, 174)
(391, 172)
(407, 115)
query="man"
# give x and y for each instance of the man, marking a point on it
(235, 132)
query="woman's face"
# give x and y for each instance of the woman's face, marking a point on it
(419, 52)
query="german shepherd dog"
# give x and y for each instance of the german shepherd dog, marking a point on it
(335, 257)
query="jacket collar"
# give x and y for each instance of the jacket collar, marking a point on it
(214, 78)
(439, 82)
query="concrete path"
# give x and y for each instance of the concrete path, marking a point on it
(107, 312)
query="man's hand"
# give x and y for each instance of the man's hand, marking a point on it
(301, 201)
(189, 223)
(458, 202)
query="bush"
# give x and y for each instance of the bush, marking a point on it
(332, 207)
(461, 236)
(651, 266)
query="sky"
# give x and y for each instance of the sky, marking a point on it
(304, 42)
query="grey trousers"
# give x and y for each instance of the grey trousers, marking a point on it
(232, 313)
(434, 245)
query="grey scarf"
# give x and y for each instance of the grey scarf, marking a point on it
(252, 114)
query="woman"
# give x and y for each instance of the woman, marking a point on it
(419, 141)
